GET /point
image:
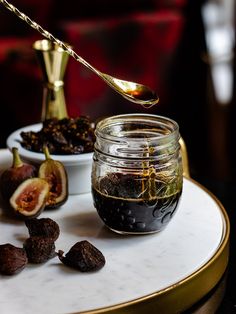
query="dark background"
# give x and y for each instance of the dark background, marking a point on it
(158, 43)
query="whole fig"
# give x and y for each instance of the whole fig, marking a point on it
(39, 249)
(83, 256)
(12, 259)
(43, 227)
(12, 177)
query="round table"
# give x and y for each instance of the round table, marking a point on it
(165, 272)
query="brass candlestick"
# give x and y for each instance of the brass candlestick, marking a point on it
(53, 61)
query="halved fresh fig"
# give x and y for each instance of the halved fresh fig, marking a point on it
(54, 172)
(29, 199)
(13, 176)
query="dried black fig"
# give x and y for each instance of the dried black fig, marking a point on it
(44, 227)
(39, 249)
(29, 199)
(83, 256)
(12, 259)
(53, 171)
(13, 176)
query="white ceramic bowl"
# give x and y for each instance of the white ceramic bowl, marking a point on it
(78, 166)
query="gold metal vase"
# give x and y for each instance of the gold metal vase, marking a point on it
(53, 61)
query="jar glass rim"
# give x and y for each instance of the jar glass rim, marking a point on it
(171, 127)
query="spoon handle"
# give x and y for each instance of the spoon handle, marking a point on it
(135, 92)
(46, 34)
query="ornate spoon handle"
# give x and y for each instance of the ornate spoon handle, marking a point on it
(135, 92)
(45, 33)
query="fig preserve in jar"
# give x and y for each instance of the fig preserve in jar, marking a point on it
(137, 172)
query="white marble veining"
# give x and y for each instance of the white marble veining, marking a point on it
(135, 265)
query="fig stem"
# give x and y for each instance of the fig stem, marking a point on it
(46, 152)
(17, 162)
(60, 254)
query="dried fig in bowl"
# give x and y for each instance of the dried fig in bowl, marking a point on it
(53, 171)
(29, 199)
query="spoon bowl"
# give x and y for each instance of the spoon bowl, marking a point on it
(134, 92)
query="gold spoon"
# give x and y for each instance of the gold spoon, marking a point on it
(134, 92)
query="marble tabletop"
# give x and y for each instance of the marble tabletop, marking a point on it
(136, 266)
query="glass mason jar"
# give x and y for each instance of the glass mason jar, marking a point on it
(137, 172)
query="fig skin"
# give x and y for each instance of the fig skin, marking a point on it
(44, 227)
(83, 256)
(12, 177)
(54, 172)
(12, 259)
(29, 199)
(39, 249)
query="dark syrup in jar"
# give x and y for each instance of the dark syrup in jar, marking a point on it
(118, 206)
